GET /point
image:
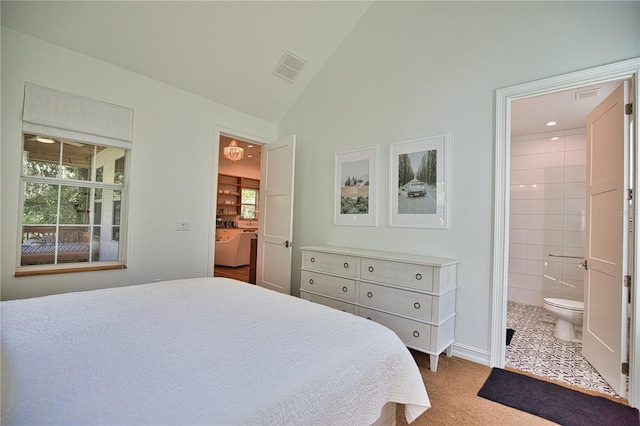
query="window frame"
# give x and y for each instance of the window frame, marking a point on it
(93, 185)
(255, 205)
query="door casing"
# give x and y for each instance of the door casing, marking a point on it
(618, 71)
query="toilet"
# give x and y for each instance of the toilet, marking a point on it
(568, 315)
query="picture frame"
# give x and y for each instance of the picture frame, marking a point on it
(356, 188)
(419, 182)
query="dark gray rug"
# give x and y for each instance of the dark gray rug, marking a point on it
(553, 402)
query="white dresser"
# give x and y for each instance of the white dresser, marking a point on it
(415, 296)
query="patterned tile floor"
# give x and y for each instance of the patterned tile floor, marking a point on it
(536, 350)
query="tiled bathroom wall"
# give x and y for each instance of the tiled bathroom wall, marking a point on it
(547, 216)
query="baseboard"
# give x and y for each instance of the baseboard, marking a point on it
(471, 354)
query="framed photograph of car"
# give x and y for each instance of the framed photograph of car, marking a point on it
(356, 188)
(419, 184)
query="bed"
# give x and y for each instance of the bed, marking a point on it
(199, 351)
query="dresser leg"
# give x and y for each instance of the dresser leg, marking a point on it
(433, 362)
(449, 350)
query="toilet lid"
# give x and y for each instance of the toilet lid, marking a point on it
(573, 305)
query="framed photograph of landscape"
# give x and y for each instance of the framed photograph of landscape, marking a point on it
(419, 182)
(356, 188)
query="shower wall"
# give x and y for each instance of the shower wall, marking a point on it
(547, 216)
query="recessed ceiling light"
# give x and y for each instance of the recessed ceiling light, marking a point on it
(45, 140)
(551, 123)
(555, 138)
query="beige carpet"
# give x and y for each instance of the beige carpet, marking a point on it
(453, 393)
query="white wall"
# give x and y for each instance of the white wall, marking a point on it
(245, 169)
(412, 69)
(547, 216)
(171, 164)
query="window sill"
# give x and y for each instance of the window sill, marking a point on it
(27, 271)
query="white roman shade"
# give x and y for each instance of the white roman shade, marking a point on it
(64, 115)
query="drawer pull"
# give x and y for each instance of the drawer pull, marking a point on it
(416, 305)
(370, 268)
(346, 265)
(418, 277)
(310, 280)
(369, 295)
(416, 334)
(313, 259)
(344, 289)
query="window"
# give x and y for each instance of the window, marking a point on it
(72, 198)
(249, 203)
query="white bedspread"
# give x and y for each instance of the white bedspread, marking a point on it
(200, 351)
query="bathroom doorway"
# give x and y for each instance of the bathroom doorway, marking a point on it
(547, 232)
(624, 70)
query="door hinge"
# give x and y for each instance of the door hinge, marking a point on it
(628, 108)
(625, 368)
(627, 280)
(629, 194)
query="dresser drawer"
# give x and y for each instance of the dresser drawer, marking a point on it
(407, 303)
(412, 333)
(409, 275)
(332, 303)
(328, 285)
(331, 263)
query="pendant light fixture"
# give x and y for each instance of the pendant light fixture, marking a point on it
(233, 152)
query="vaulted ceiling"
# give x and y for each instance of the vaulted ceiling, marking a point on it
(225, 51)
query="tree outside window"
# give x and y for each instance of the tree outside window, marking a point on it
(249, 203)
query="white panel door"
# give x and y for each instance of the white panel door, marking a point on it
(606, 239)
(276, 215)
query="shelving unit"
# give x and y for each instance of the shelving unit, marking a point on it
(230, 193)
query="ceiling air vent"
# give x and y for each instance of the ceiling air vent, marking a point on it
(592, 93)
(290, 66)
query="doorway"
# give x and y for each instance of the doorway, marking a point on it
(236, 208)
(547, 232)
(504, 98)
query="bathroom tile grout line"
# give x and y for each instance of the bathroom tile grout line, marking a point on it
(536, 350)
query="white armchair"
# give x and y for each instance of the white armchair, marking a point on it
(234, 252)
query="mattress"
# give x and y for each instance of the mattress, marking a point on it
(198, 351)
